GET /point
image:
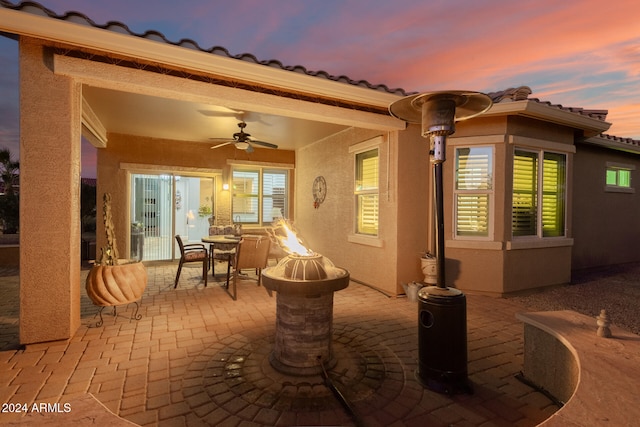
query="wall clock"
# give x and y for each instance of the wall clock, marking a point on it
(319, 191)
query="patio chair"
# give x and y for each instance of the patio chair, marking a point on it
(192, 252)
(223, 252)
(275, 251)
(253, 252)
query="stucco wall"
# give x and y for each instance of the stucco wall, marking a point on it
(415, 207)
(50, 109)
(327, 228)
(168, 153)
(606, 225)
(535, 268)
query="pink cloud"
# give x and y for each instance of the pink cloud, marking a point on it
(625, 120)
(574, 52)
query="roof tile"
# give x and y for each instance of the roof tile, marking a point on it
(520, 93)
(79, 18)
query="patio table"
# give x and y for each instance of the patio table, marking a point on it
(222, 240)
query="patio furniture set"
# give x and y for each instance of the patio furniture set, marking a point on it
(227, 244)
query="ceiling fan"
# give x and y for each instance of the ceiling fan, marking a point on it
(242, 140)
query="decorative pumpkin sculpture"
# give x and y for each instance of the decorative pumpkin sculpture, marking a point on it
(110, 282)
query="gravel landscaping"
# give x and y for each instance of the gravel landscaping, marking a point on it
(615, 289)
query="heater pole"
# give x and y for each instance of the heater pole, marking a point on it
(440, 270)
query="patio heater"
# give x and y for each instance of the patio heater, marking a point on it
(442, 313)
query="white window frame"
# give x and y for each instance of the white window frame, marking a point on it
(617, 167)
(260, 170)
(360, 193)
(354, 150)
(540, 152)
(488, 191)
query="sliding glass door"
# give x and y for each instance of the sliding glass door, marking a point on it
(165, 205)
(152, 213)
(193, 208)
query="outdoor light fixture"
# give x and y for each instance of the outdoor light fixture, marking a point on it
(242, 145)
(442, 318)
(225, 186)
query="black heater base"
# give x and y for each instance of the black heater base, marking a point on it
(444, 382)
(442, 340)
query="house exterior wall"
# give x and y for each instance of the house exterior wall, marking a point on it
(606, 225)
(500, 264)
(168, 154)
(50, 111)
(329, 230)
(414, 204)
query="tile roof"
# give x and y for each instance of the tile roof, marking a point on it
(520, 93)
(119, 27)
(633, 143)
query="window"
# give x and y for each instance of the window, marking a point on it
(366, 192)
(538, 203)
(618, 177)
(473, 191)
(259, 195)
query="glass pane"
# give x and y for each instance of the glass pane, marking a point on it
(474, 168)
(274, 192)
(367, 170)
(367, 214)
(246, 182)
(194, 208)
(246, 185)
(624, 178)
(245, 209)
(152, 215)
(553, 194)
(612, 177)
(472, 214)
(525, 193)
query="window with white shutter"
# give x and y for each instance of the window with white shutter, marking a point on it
(366, 192)
(274, 194)
(473, 191)
(539, 193)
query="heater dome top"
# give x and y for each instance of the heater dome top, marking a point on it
(468, 104)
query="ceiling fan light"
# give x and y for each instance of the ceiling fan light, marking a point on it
(242, 145)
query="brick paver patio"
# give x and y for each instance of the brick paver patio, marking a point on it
(199, 358)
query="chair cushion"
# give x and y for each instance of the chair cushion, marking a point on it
(195, 256)
(216, 230)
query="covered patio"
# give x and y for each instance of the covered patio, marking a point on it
(199, 358)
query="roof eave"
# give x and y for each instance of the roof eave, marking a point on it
(84, 36)
(530, 108)
(612, 144)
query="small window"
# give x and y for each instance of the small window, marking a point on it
(473, 191)
(618, 177)
(366, 192)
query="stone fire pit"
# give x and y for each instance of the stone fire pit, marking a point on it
(304, 315)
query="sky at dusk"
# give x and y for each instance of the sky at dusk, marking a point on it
(578, 53)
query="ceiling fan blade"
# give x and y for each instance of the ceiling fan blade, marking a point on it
(223, 144)
(264, 144)
(242, 140)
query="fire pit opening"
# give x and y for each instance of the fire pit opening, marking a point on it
(305, 282)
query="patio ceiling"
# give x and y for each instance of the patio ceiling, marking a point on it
(157, 117)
